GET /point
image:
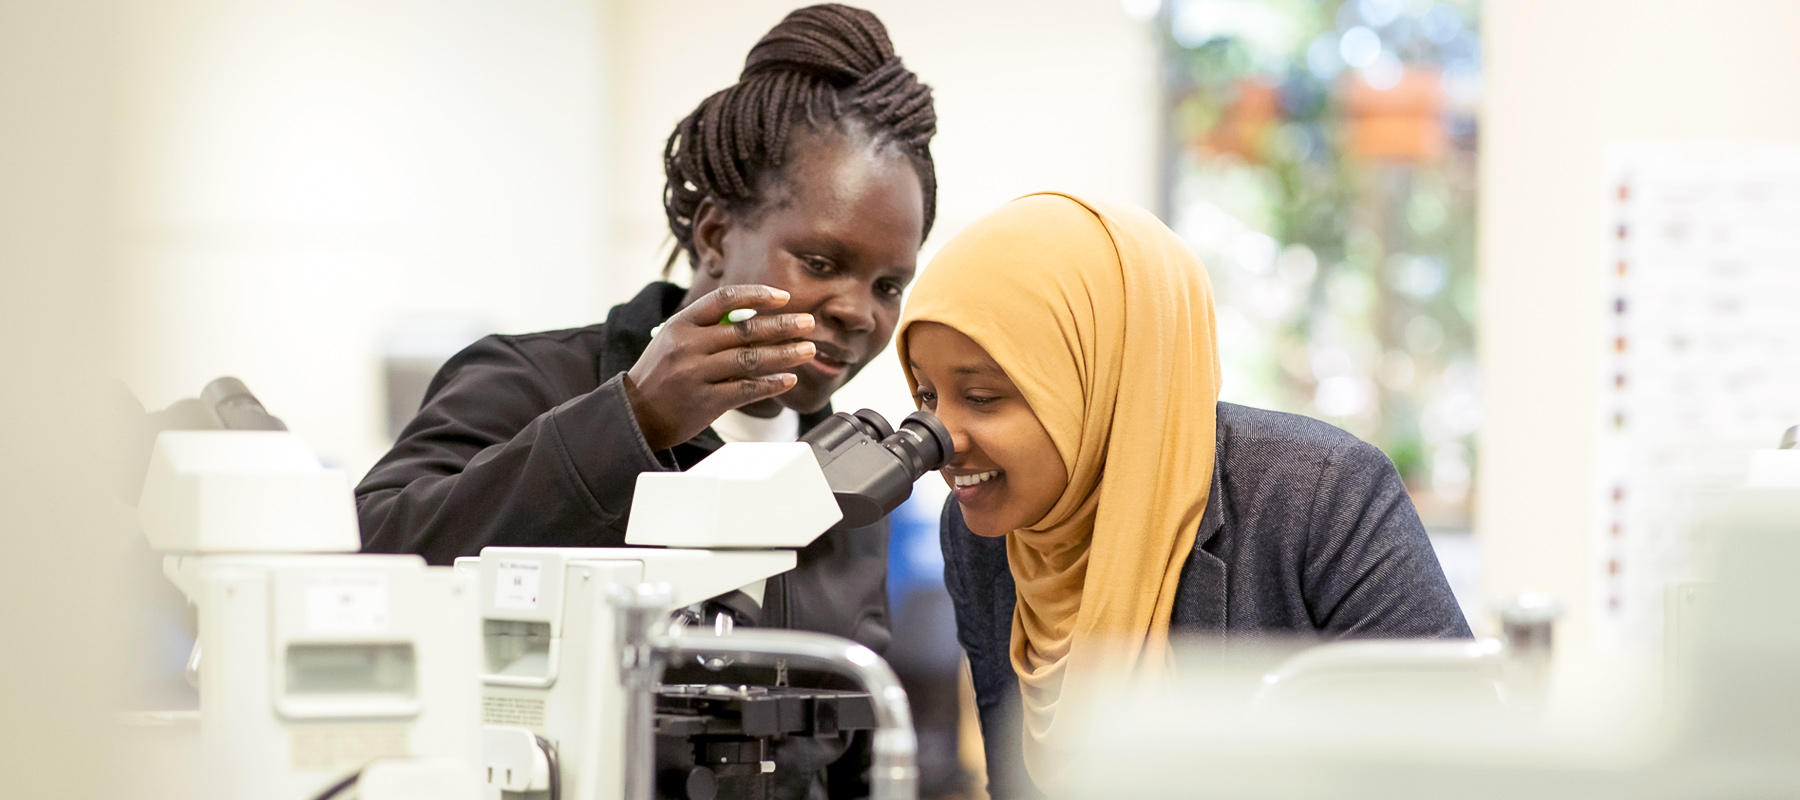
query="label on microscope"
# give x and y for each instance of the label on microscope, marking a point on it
(516, 584)
(506, 705)
(340, 747)
(347, 602)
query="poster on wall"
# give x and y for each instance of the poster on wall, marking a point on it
(1700, 341)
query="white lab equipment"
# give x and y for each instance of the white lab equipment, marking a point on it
(319, 669)
(1469, 670)
(1512, 671)
(574, 639)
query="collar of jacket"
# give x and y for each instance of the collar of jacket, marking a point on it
(628, 336)
(1200, 600)
(1213, 518)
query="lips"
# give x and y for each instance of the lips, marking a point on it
(970, 487)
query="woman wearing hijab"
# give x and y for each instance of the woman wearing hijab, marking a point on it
(1103, 497)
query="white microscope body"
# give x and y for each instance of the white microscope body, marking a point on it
(316, 666)
(556, 661)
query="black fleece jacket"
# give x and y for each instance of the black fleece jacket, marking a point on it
(529, 441)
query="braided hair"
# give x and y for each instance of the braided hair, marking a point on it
(830, 66)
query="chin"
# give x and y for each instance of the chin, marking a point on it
(975, 526)
(808, 397)
(805, 400)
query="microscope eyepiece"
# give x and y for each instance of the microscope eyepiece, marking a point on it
(870, 466)
(922, 442)
(872, 424)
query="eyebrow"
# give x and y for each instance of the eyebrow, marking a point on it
(970, 369)
(980, 369)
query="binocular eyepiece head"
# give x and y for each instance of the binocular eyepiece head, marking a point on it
(870, 466)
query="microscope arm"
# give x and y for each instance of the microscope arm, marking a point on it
(646, 647)
(895, 772)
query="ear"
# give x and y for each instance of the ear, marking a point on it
(711, 222)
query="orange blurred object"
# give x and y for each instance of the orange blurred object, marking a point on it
(1403, 123)
(1246, 121)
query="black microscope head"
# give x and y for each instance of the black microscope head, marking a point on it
(870, 466)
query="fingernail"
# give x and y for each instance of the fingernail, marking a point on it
(806, 321)
(809, 349)
(780, 295)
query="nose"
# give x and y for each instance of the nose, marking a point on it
(959, 436)
(850, 309)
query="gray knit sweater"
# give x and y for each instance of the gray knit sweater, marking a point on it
(1307, 529)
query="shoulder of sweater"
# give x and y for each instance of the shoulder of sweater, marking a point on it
(1256, 428)
(1256, 445)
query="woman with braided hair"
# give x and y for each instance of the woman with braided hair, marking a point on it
(802, 192)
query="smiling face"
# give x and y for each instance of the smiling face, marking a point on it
(1007, 473)
(841, 234)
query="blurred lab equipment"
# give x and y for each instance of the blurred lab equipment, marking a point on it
(576, 639)
(319, 669)
(1510, 673)
(1722, 725)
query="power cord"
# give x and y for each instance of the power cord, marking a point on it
(337, 788)
(555, 767)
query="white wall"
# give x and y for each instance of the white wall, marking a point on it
(306, 174)
(1562, 80)
(60, 591)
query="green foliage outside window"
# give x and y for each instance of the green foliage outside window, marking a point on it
(1321, 159)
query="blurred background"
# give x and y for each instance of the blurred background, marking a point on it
(1401, 204)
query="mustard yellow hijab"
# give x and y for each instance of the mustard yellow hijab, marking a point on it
(1104, 321)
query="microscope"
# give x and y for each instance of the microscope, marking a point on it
(575, 640)
(322, 672)
(524, 672)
